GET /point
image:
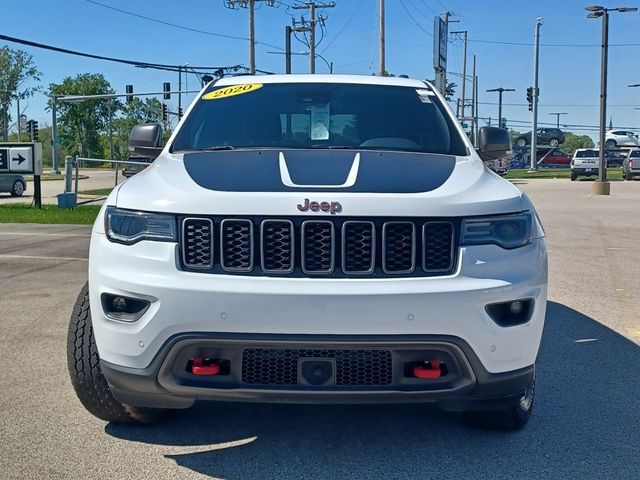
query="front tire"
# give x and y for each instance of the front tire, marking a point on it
(88, 381)
(17, 189)
(510, 418)
(574, 176)
(554, 142)
(610, 144)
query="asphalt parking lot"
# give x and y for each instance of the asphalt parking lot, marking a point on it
(585, 423)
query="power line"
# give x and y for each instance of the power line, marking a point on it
(569, 45)
(135, 63)
(404, 6)
(175, 25)
(562, 105)
(344, 27)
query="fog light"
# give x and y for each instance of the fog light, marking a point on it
(119, 304)
(516, 307)
(509, 314)
(125, 309)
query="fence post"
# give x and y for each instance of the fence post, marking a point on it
(68, 173)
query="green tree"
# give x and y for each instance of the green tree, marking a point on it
(132, 114)
(573, 142)
(84, 122)
(16, 70)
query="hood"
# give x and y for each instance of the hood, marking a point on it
(274, 182)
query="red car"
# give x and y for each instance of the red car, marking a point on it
(555, 158)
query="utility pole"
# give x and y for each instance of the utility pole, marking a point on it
(383, 69)
(534, 123)
(54, 134)
(19, 126)
(287, 48)
(500, 91)
(312, 6)
(250, 4)
(464, 69)
(557, 114)
(474, 105)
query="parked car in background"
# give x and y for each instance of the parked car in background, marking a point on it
(553, 158)
(620, 138)
(631, 165)
(13, 183)
(546, 136)
(585, 163)
(131, 169)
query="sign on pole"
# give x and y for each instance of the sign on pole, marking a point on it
(440, 36)
(21, 158)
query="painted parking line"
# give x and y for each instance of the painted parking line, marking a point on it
(37, 257)
(29, 234)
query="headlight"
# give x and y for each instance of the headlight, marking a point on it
(507, 231)
(128, 226)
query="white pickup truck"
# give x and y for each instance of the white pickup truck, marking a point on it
(315, 239)
(585, 163)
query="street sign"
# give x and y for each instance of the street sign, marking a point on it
(440, 38)
(23, 122)
(20, 158)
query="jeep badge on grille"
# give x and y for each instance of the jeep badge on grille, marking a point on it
(331, 207)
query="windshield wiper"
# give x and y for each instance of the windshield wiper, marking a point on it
(207, 149)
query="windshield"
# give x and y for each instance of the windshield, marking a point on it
(586, 153)
(329, 115)
(635, 154)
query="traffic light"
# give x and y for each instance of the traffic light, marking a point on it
(179, 112)
(530, 98)
(32, 128)
(166, 88)
(129, 91)
(165, 113)
(34, 131)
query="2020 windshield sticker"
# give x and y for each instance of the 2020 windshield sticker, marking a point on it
(231, 91)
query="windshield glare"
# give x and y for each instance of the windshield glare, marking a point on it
(304, 115)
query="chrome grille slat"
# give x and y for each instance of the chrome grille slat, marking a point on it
(236, 245)
(329, 247)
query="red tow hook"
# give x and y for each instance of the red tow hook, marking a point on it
(430, 369)
(198, 367)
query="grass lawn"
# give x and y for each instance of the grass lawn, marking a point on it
(20, 213)
(613, 173)
(102, 192)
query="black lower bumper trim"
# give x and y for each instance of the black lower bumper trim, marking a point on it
(472, 388)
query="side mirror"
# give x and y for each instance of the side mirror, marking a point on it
(146, 139)
(493, 143)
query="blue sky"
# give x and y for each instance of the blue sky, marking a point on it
(569, 75)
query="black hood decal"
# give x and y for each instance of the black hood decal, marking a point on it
(324, 170)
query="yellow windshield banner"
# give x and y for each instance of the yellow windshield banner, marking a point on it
(231, 91)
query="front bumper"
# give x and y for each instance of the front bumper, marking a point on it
(451, 306)
(167, 383)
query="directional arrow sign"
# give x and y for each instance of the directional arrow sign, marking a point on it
(20, 159)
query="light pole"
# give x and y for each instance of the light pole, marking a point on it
(602, 186)
(500, 90)
(557, 114)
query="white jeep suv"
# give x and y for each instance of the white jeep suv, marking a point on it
(312, 238)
